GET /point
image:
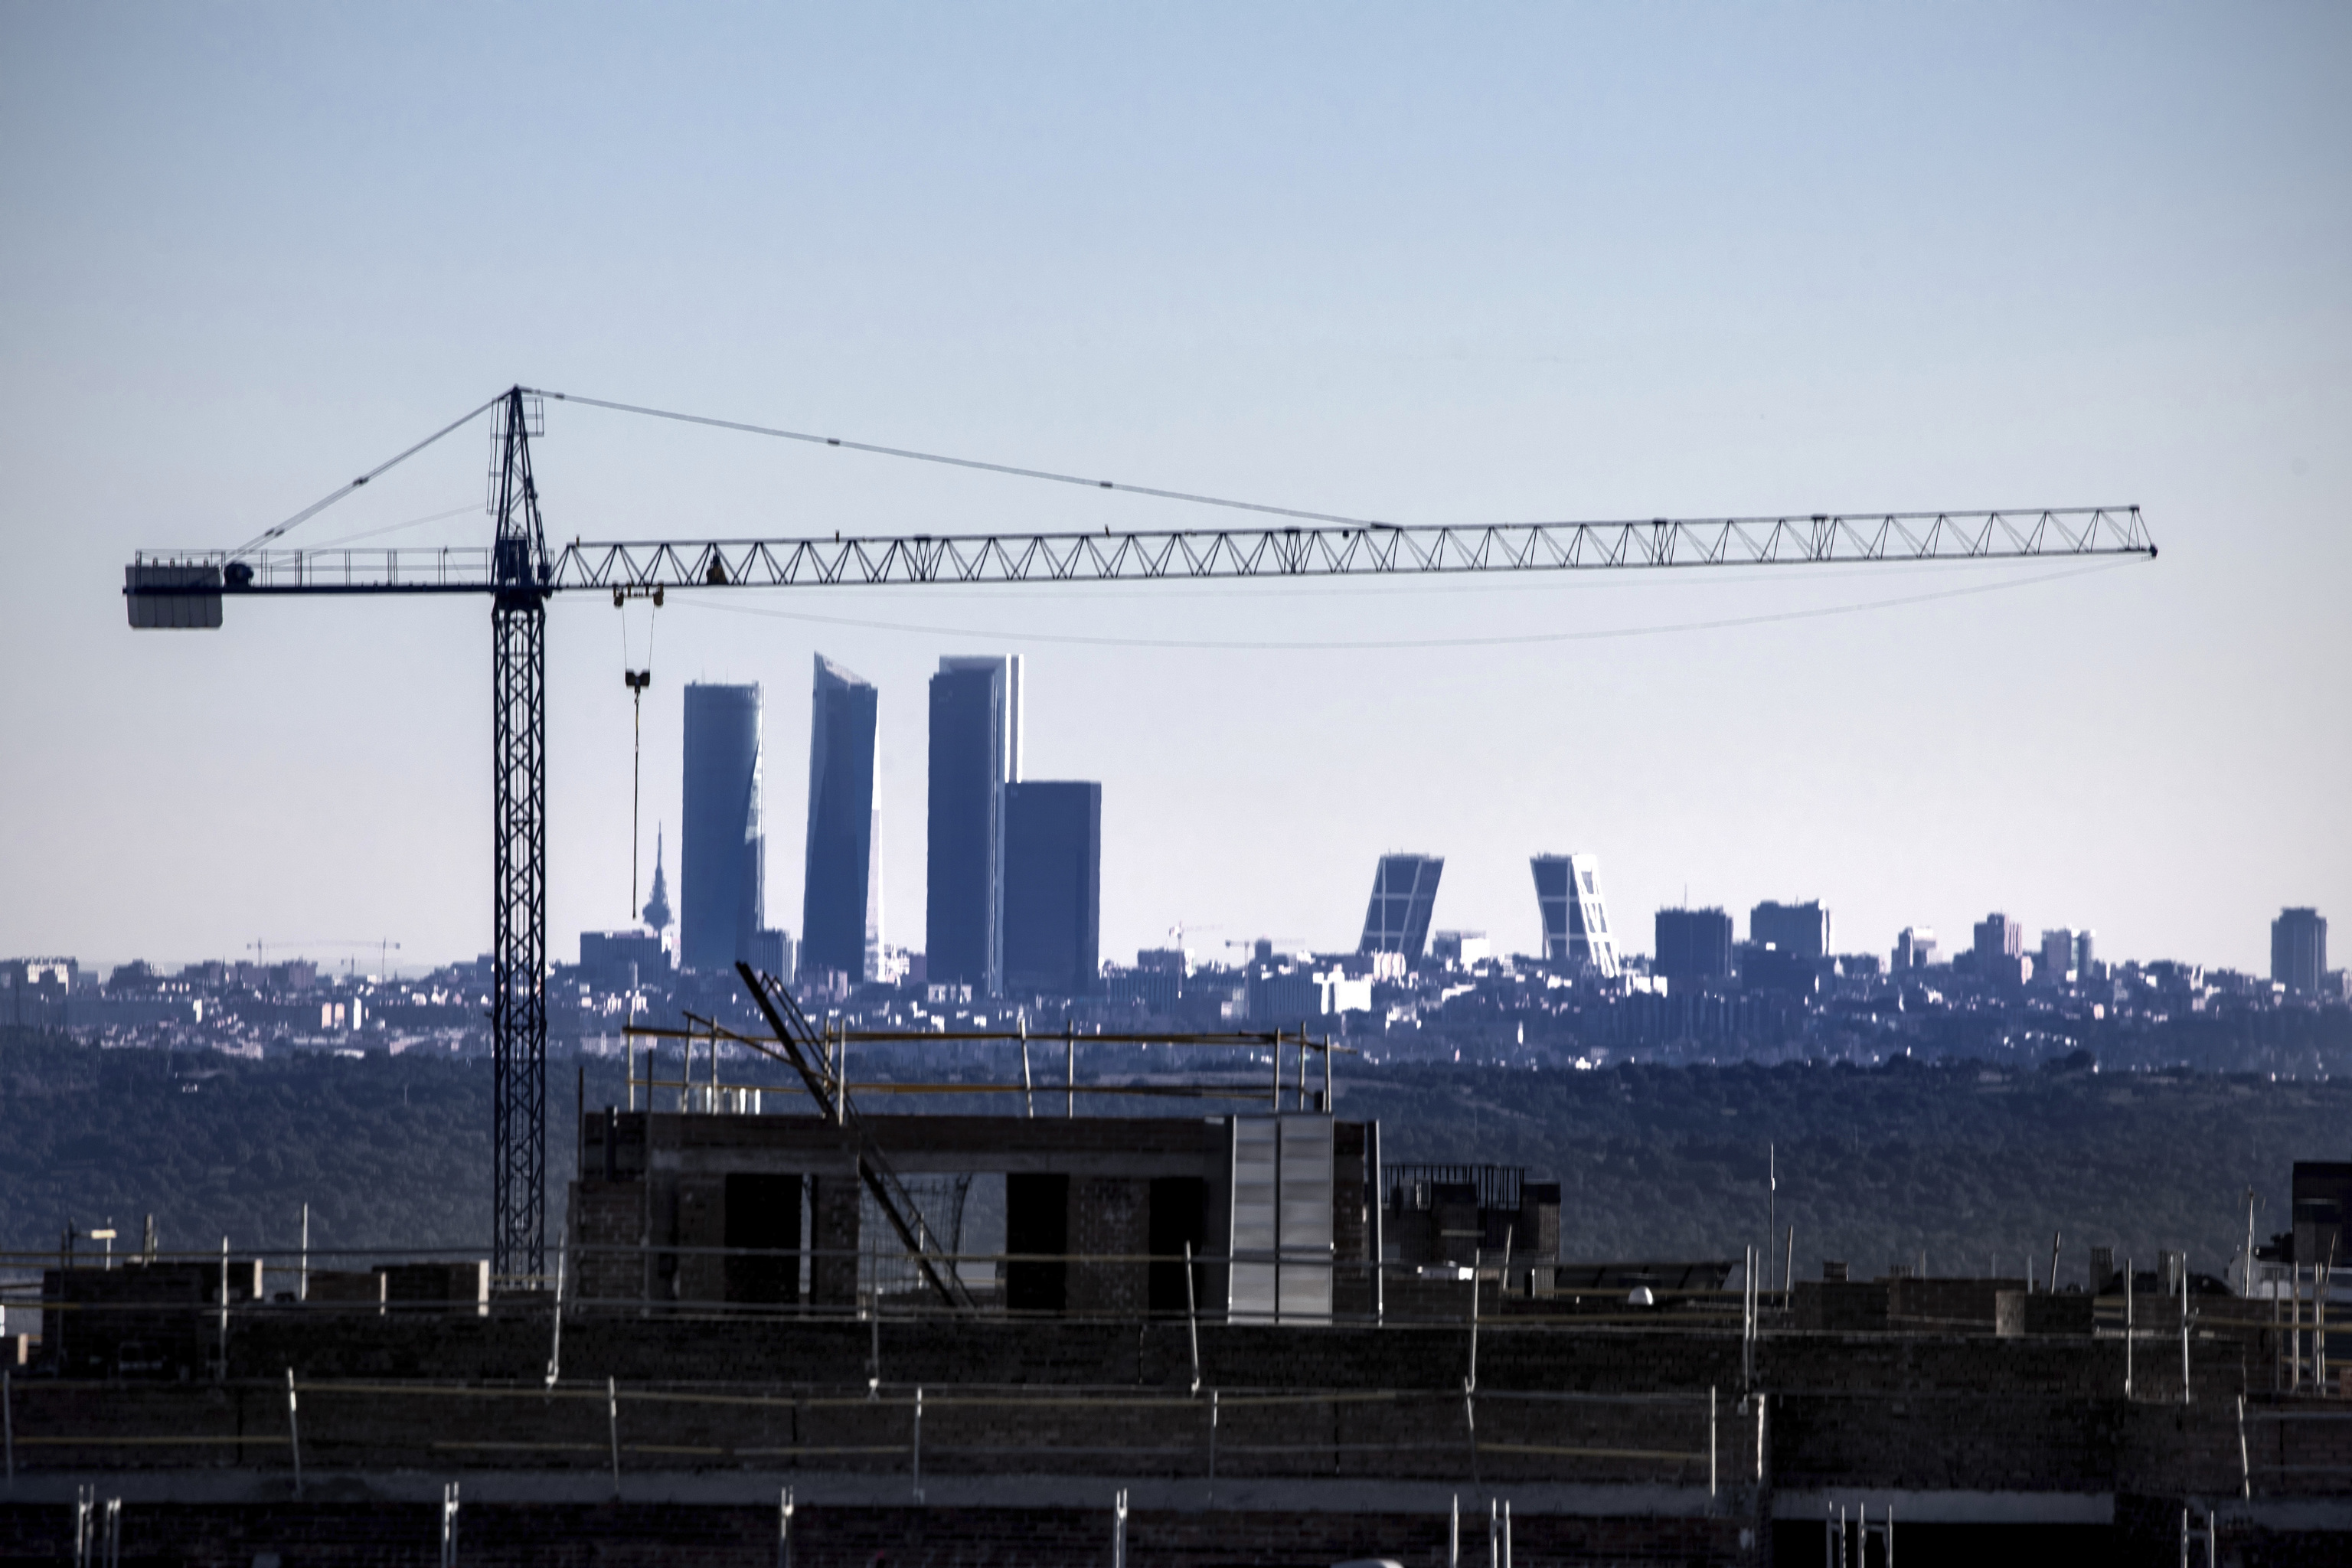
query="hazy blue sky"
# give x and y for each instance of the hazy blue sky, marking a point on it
(1431, 263)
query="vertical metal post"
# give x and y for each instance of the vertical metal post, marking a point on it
(1379, 1207)
(9, 1425)
(2318, 1313)
(612, 1430)
(303, 1281)
(1470, 1382)
(2245, 1464)
(112, 1553)
(85, 1499)
(1119, 1530)
(784, 1530)
(223, 1310)
(2127, 1328)
(1760, 1398)
(1213, 1447)
(1277, 1072)
(1470, 1428)
(1748, 1321)
(2294, 1335)
(449, 1525)
(519, 841)
(1328, 1108)
(1494, 1535)
(2184, 1331)
(629, 1065)
(1507, 1532)
(918, 1445)
(1193, 1319)
(1710, 1440)
(1070, 1083)
(555, 1337)
(1453, 1534)
(293, 1432)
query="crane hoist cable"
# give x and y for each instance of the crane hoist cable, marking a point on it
(637, 676)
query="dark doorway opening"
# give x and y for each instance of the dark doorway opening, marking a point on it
(1179, 1216)
(764, 1212)
(1036, 1223)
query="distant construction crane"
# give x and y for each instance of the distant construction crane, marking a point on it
(518, 573)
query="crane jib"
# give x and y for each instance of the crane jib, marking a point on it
(184, 589)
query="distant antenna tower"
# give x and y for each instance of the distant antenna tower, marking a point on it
(657, 909)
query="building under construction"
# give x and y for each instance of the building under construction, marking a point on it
(1232, 1336)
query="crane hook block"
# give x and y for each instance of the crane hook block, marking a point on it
(638, 679)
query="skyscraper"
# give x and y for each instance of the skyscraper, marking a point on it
(2299, 950)
(1405, 896)
(1575, 921)
(835, 888)
(722, 859)
(975, 752)
(1800, 930)
(1694, 947)
(1998, 937)
(2057, 960)
(1915, 948)
(1052, 888)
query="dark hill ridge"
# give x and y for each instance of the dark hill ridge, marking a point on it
(1974, 1166)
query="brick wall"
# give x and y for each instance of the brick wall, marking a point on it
(832, 1213)
(608, 1214)
(1109, 1216)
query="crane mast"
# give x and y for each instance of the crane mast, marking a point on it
(518, 882)
(519, 575)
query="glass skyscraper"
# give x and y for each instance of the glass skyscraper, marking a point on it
(722, 860)
(1575, 921)
(1052, 888)
(975, 752)
(835, 887)
(1405, 896)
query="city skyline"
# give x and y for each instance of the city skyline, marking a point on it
(1487, 285)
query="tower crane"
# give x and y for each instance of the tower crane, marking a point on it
(518, 573)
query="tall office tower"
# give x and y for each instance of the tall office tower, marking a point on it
(2083, 947)
(722, 859)
(1405, 896)
(1575, 922)
(1997, 936)
(1693, 946)
(1800, 930)
(2057, 960)
(2299, 950)
(835, 888)
(1915, 948)
(1052, 888)
(975, 752)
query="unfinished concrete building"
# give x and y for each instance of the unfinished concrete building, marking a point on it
(738, 1211)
